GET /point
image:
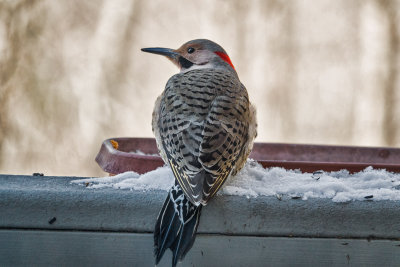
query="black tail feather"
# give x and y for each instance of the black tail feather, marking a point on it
(185, 241)
(176, 226)
(166, 227)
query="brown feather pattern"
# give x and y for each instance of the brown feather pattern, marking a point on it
(201, 123)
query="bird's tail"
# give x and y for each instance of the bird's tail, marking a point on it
(176, 226)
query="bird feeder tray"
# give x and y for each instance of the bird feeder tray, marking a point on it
(118, 155)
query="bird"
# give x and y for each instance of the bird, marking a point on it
(204, 126)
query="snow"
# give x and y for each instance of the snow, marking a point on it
(139, 152)
(162, 178)
(253, 180)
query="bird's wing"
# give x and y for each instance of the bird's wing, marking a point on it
(202, 125)
(224, 135)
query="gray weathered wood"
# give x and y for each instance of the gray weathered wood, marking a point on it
(47, 221)
(31, 202)
(66, 248)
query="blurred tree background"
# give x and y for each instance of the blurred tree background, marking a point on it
(72, 74)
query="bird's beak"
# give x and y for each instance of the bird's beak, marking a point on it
(170, 53)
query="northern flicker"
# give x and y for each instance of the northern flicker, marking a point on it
(204, 126)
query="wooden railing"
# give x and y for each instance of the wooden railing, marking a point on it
(48, 221)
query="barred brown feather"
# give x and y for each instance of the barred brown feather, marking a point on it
(204, 127)
(202, 122)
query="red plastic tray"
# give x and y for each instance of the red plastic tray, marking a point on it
(307, 158)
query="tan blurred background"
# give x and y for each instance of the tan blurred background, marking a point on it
(72, 74)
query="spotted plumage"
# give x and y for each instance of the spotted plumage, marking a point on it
(203, 122)
(204, 126)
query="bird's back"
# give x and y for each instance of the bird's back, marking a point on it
(202, 123)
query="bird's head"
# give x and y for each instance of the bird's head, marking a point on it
(196, 54)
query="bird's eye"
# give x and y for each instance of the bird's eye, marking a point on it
(190, 50)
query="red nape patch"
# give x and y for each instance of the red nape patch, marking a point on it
(225, 58)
